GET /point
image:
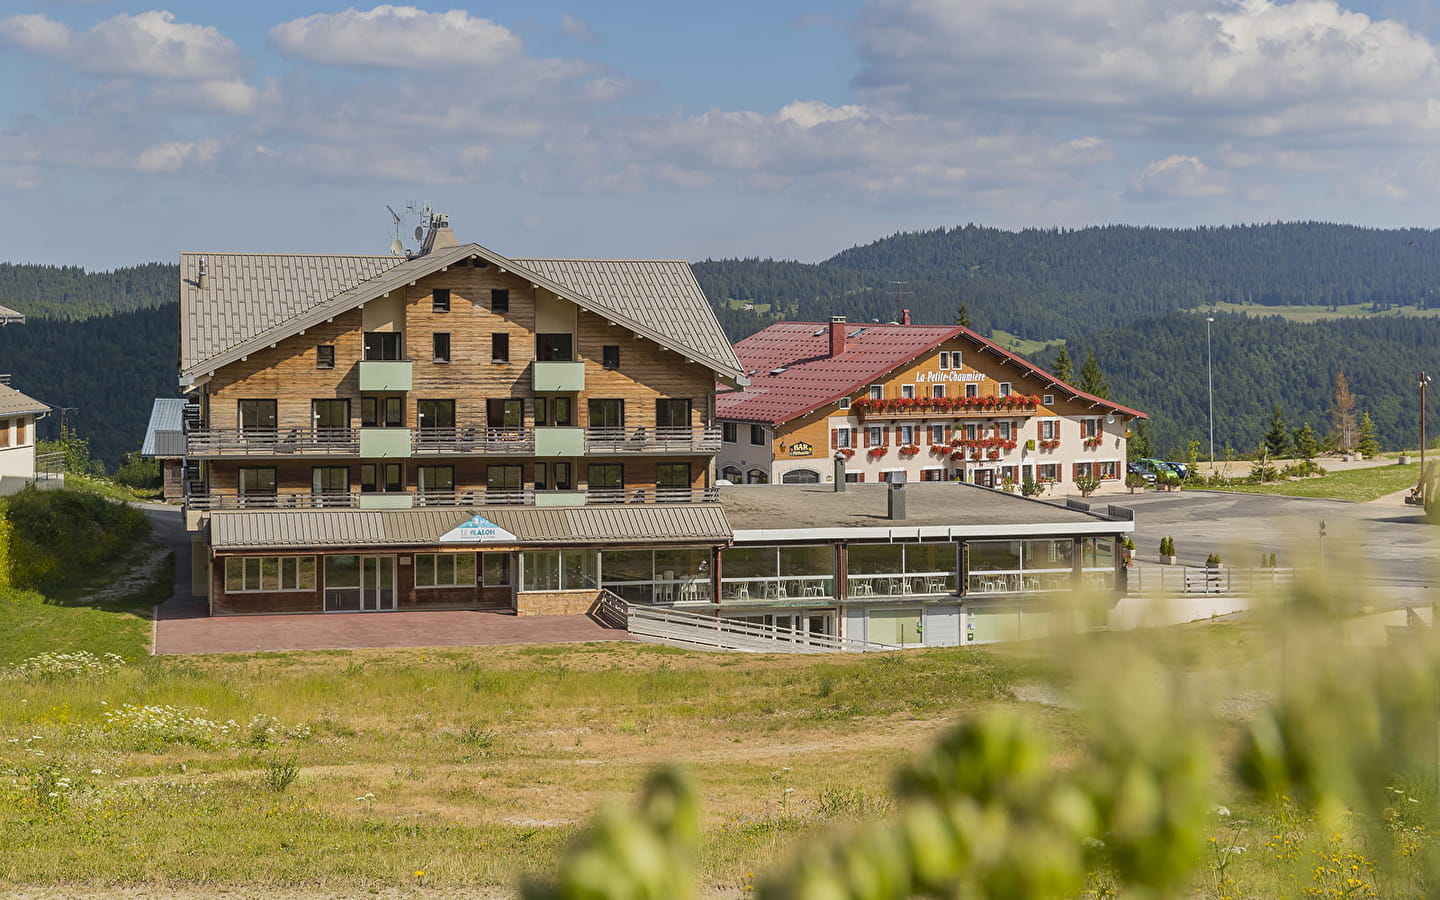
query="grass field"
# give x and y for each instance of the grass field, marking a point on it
(1318, 313)
(1359, 485)
(1017, 344)
(436, 771)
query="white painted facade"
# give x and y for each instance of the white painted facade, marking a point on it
(17, 453)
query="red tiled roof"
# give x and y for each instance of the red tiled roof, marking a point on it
(792, 373)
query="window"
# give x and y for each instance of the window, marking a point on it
(326, 415)
(1049, 429)
(907, 391)
(1015, 566)
(504, 478)
(257, 482)
(500, 300)
(255, 414)
(495, 568)
(440, 570)
(932, 474)
(325, 356)
(972, 389)
(889, 570)
(436, 478)
(558, 570)
(877, 391)
(1004, 388)
(1083, 470)
(1049, 472)
(20, 432)
(657, 576)
(730, 432)
(937, 434)
(671, 413)
(733, 474)
(606, 477)
(499, 348)
(269, 573)
(944, 360)
(1108, 471)
(672, 477)
(555, 347)
(972, 431)
(1003, 429)
(610, 356)
(907, 435)
(1090, 428)
(875, 436)
(844, 438)
(436, 414)
(382, 412)
(383, 345)
(564, 481)
(382, 478)
(800, 476)
(757, 476)
(554, 410)
(330, 485)
(937, 391)
(955, 359)
(1048, 399)
(844, 403)
(440, 341)
(504, 413)
(757, 435)
(607, 413)
(440, 300)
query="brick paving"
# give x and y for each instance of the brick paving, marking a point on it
(185, 627)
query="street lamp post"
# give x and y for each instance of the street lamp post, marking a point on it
(1424, 380)
(1210, 377)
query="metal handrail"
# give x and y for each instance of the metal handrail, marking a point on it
(1203, 579)
(274, 441)
(474, 439)
(652, 440)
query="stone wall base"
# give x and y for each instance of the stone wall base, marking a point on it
(555, 603)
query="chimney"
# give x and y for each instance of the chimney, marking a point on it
(896, 495)
(838, 325)
(839, 474)
(201, 281)
(439, 237)
(904, 317)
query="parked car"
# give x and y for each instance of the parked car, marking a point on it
(1135, 468)
(1178, 468)
(1153, 466)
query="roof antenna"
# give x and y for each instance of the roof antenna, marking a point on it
(900, 316)
(396, 247)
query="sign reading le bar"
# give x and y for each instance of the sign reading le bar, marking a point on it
(922, 377)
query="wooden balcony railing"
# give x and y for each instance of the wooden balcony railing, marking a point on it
(201, 500)
(474, 439)
(272, 441)
(652, 440)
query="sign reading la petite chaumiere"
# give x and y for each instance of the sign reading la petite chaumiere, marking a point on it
(476, 530)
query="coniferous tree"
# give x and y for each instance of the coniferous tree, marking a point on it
(1306, 445)
(963, 317)
(1138, 446)
(1342, 415)
(1063, 368)
(1277, 438)
(1368, 446)
(1092, 381)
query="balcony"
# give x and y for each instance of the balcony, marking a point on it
(558, 377)
(199, 499)
(385, 375)
(219, 442)
(947, 407)
(476, 440)
(562, 442)
(385, 443)
(652, 440)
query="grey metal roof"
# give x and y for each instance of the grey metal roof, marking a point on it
(262, 298)
(248, 294)
(661, 293)
(9, 316)
(14, 403)
(164, 435)
(297, 529)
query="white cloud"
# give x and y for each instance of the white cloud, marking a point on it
(578, 29)
(1176, 177)
(147, 45)
(231, 96)
(172, 156)
(397, 37)
(809, 113)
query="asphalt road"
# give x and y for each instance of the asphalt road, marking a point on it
(1383, 544)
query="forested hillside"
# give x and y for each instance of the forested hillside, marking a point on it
(1055, 283)
(70, 292)
(109, 368)
(1158, 365)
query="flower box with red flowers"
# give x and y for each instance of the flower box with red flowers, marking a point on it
(909, 449)
(845, 452)
(1050, 444)
(878, 451)
(932, 407)
(1092, 442)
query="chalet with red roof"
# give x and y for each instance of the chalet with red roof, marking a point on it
(913, 403)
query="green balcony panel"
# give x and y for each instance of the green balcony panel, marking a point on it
(386, 501)
(559, 442)
(559, 377)
(384, 443)
(559, 498)
(385, 375)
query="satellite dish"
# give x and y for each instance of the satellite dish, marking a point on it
(419, 232)
(397, 248)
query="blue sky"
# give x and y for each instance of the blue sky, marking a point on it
(789, 129)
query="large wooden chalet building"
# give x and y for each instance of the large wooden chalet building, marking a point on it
(913, 403)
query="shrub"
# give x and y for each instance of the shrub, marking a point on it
(1135, 482)
(1213, 560)
(1167, 546)
(59, 537)
(280, 774)
(1087, 485)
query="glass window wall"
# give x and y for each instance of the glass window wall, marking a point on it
(558, 570)
(902, 570)
(1000, 567)
(677, 575)
(778, 573)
